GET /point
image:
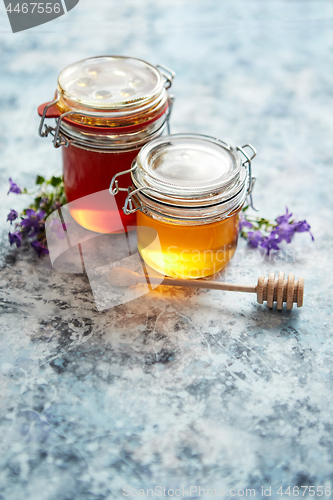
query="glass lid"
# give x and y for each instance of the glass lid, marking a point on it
(110, 82)
(187, 165)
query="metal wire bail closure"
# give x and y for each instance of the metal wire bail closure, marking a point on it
(167, 73)
(247, 162)
(44, 132)
(114, 190)
(114, 187)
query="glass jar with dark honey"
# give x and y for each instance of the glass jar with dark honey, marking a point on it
(106, 108)
(189, 189)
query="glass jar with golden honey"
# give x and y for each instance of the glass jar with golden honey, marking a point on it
(189, 189)
(106, 108)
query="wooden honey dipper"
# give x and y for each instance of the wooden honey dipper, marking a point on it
(279, 290)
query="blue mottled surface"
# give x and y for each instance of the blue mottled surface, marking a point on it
(179, 387)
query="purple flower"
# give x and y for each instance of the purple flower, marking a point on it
(12, 216)
(254, 238)
(244, 223)
(16, 238)
(33, 222)
(13, 188)
(284, 218)
(40, 249)
(302, 226)
(284, 231)
(270, 242)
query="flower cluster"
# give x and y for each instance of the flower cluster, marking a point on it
(31, 222)
(269, 235)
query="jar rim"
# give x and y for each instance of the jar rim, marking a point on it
(188, 169)
(78, 84)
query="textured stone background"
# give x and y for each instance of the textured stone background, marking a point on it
(179, 387)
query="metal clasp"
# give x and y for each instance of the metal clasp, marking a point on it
(167, 121)
(58, 139)
(128, 206)
(47, 129)
(114, 187)
(248, 160)
(169, 76)
(167, 73)
(129, 202)
(114, 190)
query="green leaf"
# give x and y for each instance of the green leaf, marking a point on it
(40, 179)
(55, 181)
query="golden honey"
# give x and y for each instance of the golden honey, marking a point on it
(187, 251)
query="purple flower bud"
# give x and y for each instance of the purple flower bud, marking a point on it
(254, 238)
(284, 218)
(12, 216)
(13, 188)
(40, 249)
(16, 238)
(302, 226)
(44, 201)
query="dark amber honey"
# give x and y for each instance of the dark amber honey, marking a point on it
(87, 172)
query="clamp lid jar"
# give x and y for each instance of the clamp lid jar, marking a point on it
(106, 109)
(190, 189)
